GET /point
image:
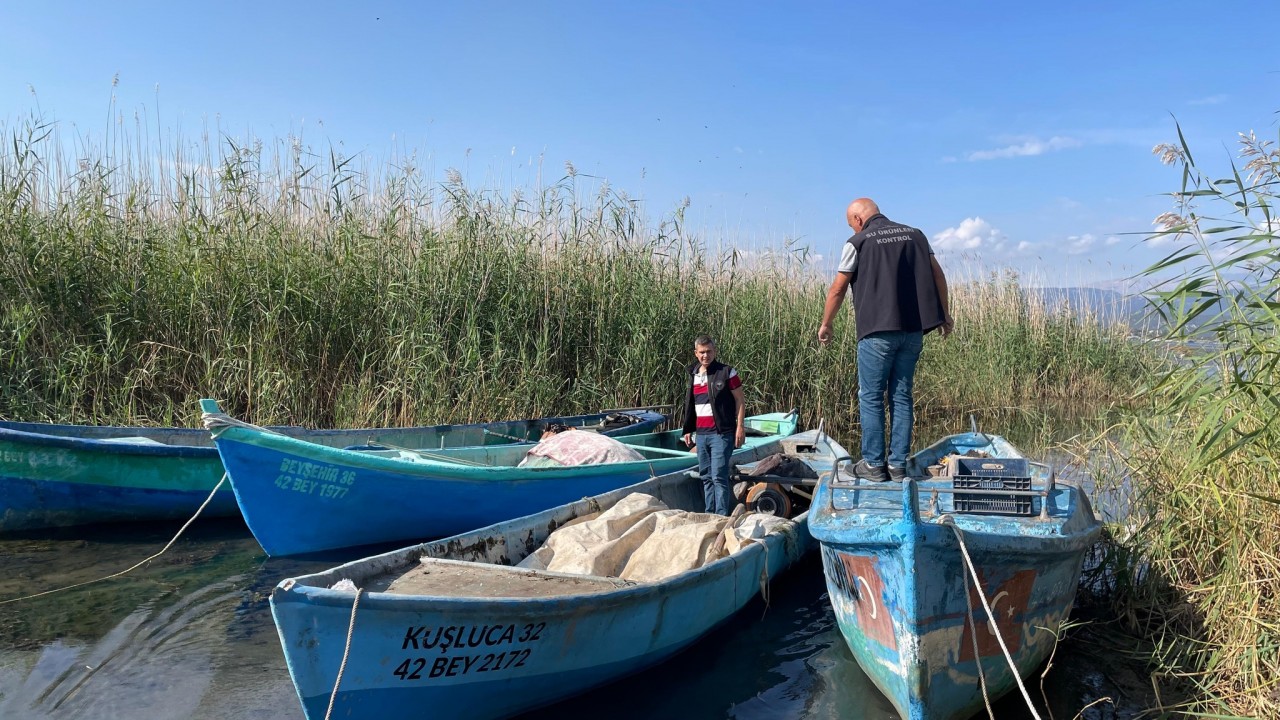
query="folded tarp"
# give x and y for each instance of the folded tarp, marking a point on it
(641, 539)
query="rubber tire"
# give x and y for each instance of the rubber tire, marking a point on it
(770, 499)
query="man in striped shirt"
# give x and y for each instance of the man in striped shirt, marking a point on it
(715, 420)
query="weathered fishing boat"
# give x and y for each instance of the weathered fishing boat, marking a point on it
(62, 475)
(300, 497)
(948, 589)
(453, 628)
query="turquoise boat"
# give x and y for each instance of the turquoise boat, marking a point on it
(935, 631)
(300, 497)
(474, 637)
(64, 475)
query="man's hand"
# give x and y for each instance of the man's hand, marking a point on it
(948, 326)
(740, 437)
(835, 298)
(824, 334)
(688, 439)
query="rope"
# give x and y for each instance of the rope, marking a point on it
(140, 564)
(948, 520)
(764, 578)
(973, 637)
(345, 652)
(217, 422)
(433, 456)
(505, 436)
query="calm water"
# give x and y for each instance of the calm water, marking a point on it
(190, 637)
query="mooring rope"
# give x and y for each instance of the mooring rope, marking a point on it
(764, 577)
(973, 637)
(991, 618)
(135, 567)
(346, 651)
(215, 423)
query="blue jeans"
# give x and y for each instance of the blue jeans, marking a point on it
(887, 364)
(715, 450)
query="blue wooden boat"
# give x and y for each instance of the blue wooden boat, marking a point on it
(300, 497)
(62, 475)
(485, 639)
(905, 597)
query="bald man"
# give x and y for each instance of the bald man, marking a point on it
(899, 294)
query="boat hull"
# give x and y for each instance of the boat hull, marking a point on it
(301, 498)
(66, 475)
(480, 658)
(569, 646)
(57, 481)
(905, 601)
(913, 638)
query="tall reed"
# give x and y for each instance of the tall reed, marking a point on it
(1200, 561)
(309, 287)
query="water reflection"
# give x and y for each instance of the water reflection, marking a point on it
(188, 636)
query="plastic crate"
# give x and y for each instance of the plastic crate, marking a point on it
(973, 473)
(766, 426)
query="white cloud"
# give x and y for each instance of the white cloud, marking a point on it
(1026, 148)
(1113, 239)
(1077, 244)
(1210, 100)
(972, 233)
(1024, 246)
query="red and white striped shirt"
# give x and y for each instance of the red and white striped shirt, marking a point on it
(702, 399)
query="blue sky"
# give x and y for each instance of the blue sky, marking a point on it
(1014, 134)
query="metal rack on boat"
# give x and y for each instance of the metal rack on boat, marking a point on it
(991, 500)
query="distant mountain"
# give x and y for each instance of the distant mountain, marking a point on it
(1109, 306)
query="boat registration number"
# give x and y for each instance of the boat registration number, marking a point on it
(36, 459)
(455, 637)
(308, 478)
(455, 665)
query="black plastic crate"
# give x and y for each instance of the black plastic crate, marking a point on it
(972, 473)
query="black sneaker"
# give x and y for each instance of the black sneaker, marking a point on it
(897, 474)
(866, 471)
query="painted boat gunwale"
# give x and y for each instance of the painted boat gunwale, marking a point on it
(879, 530)
(622, 595)
(105, 445)
(449, 470)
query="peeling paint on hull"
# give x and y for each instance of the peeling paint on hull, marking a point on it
(901, 595)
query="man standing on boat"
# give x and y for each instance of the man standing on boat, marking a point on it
(715, 413)
(899, 294)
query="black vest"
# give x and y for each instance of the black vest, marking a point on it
(724, 409)
(893, 285)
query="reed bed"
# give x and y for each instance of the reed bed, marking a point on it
(307, 287)
(1196, 568)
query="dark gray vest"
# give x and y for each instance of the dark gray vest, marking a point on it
(893, 286)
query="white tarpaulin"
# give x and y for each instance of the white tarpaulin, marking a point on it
(641, 539)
